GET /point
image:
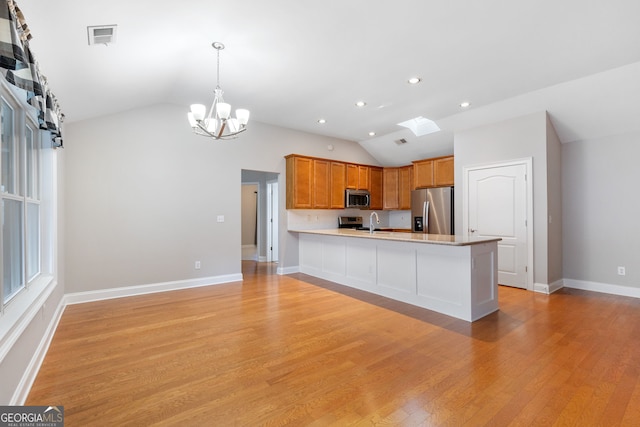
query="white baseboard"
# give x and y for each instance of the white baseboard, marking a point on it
(127, 291)
(287, 270)
(543, 288)
(606, 288)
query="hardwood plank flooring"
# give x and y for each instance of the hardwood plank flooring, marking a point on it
(295, 350)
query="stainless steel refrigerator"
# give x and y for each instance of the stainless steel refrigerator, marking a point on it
(432, 210)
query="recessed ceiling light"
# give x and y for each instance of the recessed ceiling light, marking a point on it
(322, 121)
(414, 80)
(465, 104)
(360, 104)
(372, 133)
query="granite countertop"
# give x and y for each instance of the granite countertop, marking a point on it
(436, 239)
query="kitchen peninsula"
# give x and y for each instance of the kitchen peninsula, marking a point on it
(452, 275)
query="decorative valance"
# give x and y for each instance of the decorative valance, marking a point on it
(20, 68)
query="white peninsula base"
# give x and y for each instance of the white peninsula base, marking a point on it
(456, 279)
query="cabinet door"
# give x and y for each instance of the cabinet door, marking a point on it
(352, 177)
(390, 188)
(423, 173)
(443, 171)
(363, 178)
(405, 185)
(321, 192)
(299, 182)
(375, 176)
(338, 184)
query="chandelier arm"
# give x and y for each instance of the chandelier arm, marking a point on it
(224, 125)
(204, 130)
(213, 108)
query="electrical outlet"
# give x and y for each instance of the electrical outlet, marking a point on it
(621, 271)
(197, 266)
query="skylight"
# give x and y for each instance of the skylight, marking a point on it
(420, 126)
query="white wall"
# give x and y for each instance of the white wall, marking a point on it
(143, 193)
(601, 210)
(554, 198)
(518, 138)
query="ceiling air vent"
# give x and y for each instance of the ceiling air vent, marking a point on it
(102, 34)
(401, 141)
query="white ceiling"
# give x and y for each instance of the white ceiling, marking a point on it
(292, 62)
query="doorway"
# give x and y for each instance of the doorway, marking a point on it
(260, 207)
(498, 202)
(249, 223)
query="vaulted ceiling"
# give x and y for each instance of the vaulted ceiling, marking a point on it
(293, 62)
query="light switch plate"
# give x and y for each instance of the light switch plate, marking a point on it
(220, 218)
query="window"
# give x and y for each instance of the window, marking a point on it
(20, 193)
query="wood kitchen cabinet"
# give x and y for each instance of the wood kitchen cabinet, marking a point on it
(405, 185)
(423, 173)
(299, 182)
(320, 187)
(357, 177)
(436, 172)
(397, 187)
(352, 176)
(376, 188)
(337, 184)
(364, 176)
(443, 171)
(391, 179)
(314, 183)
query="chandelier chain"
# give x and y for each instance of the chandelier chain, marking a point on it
(218, 69)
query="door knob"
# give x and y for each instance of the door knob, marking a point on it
(472, 230)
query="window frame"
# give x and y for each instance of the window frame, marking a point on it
(24, 123)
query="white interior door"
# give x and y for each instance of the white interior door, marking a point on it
(497, 207)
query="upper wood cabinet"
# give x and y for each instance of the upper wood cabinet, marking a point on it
(376, 187)
(338, 181)
(364, 176)
(443, 171)
(391, 187)
(299, 182)
(357, 177)
(405, 185)
(320, 188)
(352, 176)
(436, 172)
(314, 183)
(397, 187)
(423, 173)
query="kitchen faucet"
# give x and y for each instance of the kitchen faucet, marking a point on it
(371, 221)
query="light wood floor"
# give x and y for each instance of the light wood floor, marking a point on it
(293, 350)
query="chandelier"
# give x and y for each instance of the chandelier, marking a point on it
(218, 124)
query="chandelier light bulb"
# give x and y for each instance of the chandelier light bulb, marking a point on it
(223, 110)
(198, 111)
(242, 115)
(192, 120)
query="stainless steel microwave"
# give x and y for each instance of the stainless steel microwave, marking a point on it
(357, 199)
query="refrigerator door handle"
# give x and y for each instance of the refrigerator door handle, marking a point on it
(425, 215)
